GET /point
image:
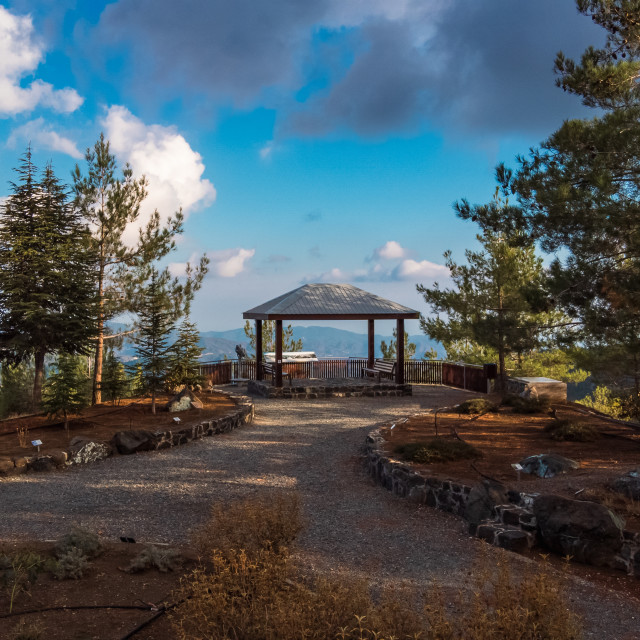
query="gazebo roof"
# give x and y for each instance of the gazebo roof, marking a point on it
(329, 302)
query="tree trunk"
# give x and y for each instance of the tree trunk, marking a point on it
(38, 379)
(96, 396)
(153, 402)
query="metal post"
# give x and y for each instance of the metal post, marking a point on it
(278, 353)
(258, 349)
(400, 351)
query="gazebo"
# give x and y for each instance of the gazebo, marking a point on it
(330, 302)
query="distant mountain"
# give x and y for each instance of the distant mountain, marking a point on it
(327, 342)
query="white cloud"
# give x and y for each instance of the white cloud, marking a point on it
(267, 150)
(390, 250)
(173, 169)
(20, 55)
(412, 270)
(229, 262)
(41, 135)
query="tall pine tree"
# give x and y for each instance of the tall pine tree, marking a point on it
(184, 354)
(46, 273)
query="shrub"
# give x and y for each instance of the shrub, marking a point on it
(18, 571)
(269, 522)
(71, 564)
(565, 430)
(259, 594)
(437, 450)
(27, 631)
(527, 405)
(152, 556)
(476, 405)
(80, 538)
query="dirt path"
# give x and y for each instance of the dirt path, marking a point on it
(352, 524)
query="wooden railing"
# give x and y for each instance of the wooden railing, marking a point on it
(463, 376)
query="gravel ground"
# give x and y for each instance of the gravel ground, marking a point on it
(312, 446)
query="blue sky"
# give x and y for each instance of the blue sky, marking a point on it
(315, 141)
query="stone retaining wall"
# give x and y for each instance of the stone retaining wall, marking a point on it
(501, 518)
(84, 450)
(314, 391)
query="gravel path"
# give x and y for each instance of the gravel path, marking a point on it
(312, 446)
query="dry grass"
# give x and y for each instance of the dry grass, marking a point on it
(248, 588)
(23, 437)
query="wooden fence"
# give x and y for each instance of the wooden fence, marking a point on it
(463, 376)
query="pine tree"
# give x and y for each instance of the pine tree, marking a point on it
(156, 321)
(110, 203)
(184, 354)
(269, 337)
(16, 389)
(115, 383)
(389, 351)
(490, 303)
(46, 273)
(580, 196)
(66, 388)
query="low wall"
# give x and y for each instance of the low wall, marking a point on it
(327, 389)
(85, 451)
(500, 517)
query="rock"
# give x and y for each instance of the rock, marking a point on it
(547, 465)
(184, 401)
(482, 499)
(84, 450)
(587, 531)
(514, 540)
(59, 458)
(7, 467)
(628, 484)
(41, 463)
(127, 442)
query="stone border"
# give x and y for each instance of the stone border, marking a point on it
(511, 524)
(312, 392)
(91, 450)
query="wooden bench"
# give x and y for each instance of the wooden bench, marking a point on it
(270, 369)
(380, 368)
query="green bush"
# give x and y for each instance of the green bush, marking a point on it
(565, 430)
(18, 571)
(437, 450)
(476, 405)
(527, 405)
(152, 556)
(80, 538)
(71, 564)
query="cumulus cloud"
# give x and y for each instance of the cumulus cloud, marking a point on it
(229, 263)
(413, 270)
(42, 136)
(173, 169)
(390, 250)
(20, 54)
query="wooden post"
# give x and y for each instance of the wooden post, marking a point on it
(400, 351)
(278, 353)
(371, 351)
(258, 349)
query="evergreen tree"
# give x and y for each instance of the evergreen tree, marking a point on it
(184, 354)
(389, 351)
(156, 321)
(110, 203)
(66, 388)
(115, 383)
(46, 273)
(16, 389)
(269, 337)
(580, 196)
(490, 304)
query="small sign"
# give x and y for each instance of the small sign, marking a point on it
(177, 420)
(36, 443)
(517, 467)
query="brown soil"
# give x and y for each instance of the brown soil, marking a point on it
(104, 584)
(102, 422)
(505, 438)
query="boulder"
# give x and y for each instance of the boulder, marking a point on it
(547, 465)
(482, 500)
(7, 467)
(628, 484)
(184, 401)
(587, 531)
(84, 450)
(128, 442)
(41, 463)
